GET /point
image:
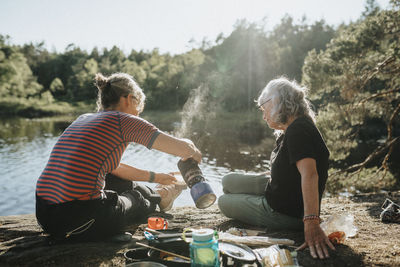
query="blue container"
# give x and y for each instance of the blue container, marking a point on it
(201, 192)
(202, 195)
(204, 249)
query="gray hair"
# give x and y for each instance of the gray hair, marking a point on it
(111, 88)
(288, 98)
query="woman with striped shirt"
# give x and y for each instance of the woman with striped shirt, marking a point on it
(84, 191)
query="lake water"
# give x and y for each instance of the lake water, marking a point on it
(233, 142)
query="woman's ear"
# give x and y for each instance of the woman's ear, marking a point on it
(124, 101)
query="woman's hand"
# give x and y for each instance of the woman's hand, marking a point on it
(164, 178)
(316, 240)
(195, 154)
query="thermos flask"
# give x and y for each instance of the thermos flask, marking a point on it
(201, 192)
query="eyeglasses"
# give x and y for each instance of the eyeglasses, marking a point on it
(262, 104)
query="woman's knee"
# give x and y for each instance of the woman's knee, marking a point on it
(228, 182)
(224, 205)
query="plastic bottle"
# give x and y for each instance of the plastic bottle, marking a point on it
(204, 249)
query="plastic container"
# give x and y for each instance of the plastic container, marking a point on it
(340, 223)
(276, 256)
(204, 249)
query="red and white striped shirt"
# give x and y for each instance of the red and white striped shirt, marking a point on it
(89, 148)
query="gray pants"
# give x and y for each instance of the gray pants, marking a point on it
(244, 200)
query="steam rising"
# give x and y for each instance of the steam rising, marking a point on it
(196, 107)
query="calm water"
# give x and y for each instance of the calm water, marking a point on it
(231, 143)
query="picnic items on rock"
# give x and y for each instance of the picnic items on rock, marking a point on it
(204, 247)
(391, 212)
(201, 192)
(235, 247)
(162, 246)
(338, 227)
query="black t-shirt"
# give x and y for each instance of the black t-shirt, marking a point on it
(301, 140)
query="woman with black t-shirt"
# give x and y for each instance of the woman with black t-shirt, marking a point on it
(289, 196)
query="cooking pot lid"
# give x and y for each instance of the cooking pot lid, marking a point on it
(239, 252)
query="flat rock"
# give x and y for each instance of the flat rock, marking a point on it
(22, 243)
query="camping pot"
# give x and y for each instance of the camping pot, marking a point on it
(201, 192)
(136, 255)
(236, 255)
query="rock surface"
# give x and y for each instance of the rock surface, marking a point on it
(377, 244)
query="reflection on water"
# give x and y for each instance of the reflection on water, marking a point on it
(25, 146)
(231, 142)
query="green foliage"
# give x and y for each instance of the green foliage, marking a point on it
(57, 86)
(353, 84)
(367, 180)
(16, 79)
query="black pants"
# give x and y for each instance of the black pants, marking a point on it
(126, 203)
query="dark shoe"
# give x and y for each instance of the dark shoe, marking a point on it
(391, 212)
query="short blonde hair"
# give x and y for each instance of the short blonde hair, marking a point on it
(288, 98)
(111, 88)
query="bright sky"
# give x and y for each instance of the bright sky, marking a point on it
(146, 24)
